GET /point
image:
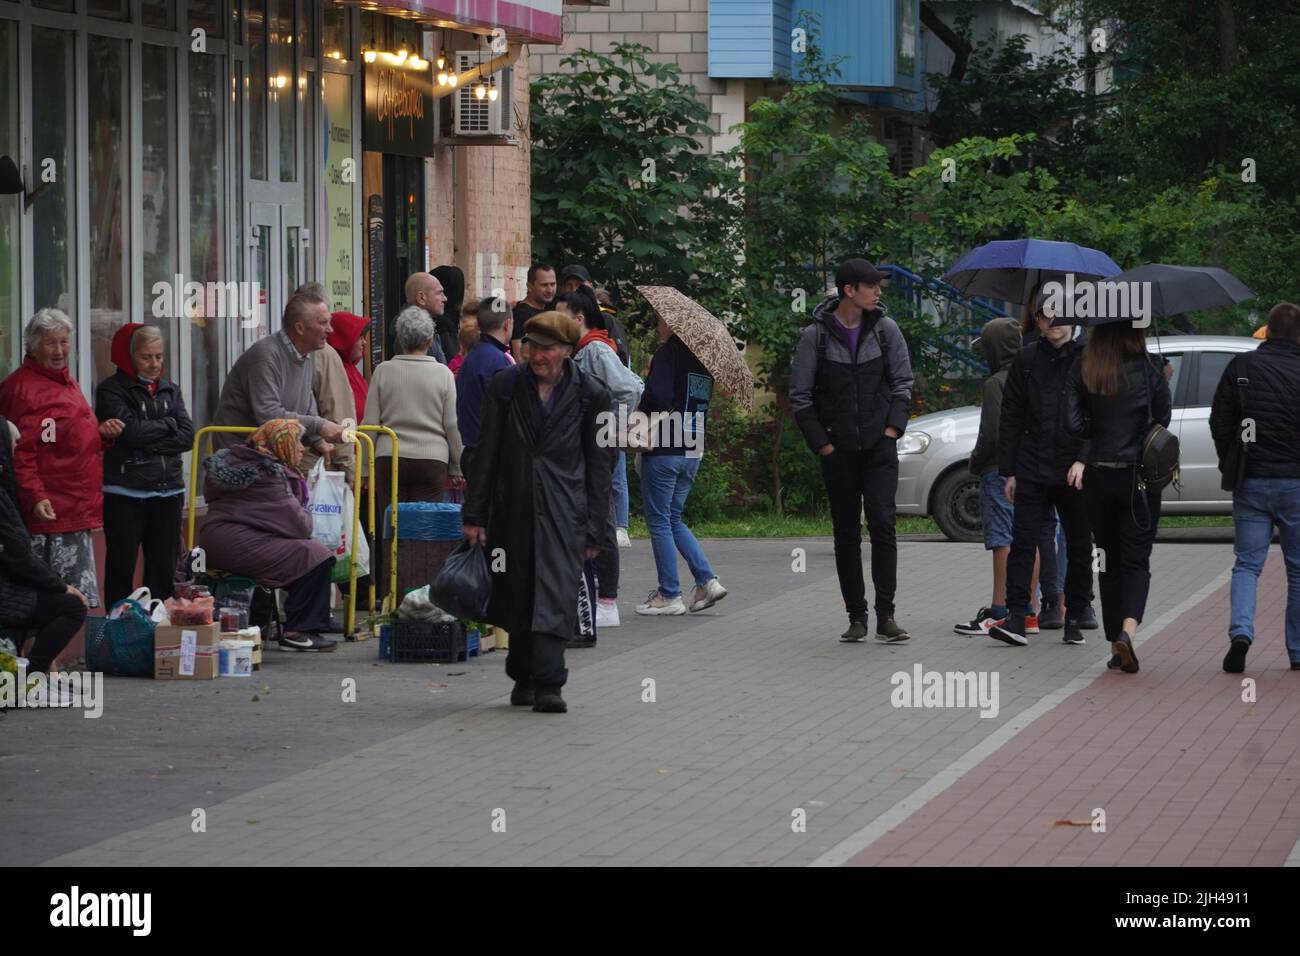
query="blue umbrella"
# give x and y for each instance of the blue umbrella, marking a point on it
(1009, 269)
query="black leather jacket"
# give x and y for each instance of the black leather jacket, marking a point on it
(1272, 396)
(1117, 425)
(147, 455)
(1033, 444)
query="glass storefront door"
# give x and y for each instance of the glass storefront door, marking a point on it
(277, 251)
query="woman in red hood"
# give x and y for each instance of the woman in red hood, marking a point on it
(349, 340)
(144, 482)
(58, 456)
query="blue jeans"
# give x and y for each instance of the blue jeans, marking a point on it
(666, 482)
(1257, 507)
(620, 491)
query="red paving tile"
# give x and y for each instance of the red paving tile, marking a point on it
(1187, 773)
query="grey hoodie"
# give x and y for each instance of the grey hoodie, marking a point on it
(1000, 339)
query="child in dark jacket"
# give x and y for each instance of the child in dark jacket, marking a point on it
(1000, 340)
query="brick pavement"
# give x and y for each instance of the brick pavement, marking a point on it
(759, 714)
(1186, 771)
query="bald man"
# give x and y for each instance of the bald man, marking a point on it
(425, 291)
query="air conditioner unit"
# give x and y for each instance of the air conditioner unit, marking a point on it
(482, 117)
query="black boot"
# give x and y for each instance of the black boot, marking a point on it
(549, 701)
(1235, 661)
(522, 695)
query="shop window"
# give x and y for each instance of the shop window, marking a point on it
(206, 15)
(108, 9)
(157, 206)
(65, 5)
(258, 81)
(160, 14)
(109, 281)
(285, 88)
(209, 260)
(336, 33)
(53, 222)
(11, 322)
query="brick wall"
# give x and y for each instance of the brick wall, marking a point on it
(479, 205)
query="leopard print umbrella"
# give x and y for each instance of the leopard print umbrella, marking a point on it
(705, 335)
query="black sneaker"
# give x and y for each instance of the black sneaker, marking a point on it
(1011, 631)
(1050, 617)
(1073, 634)
(856, 634)
(1128, 661)
(888, 632)
(1088, 618)
(297, 641)
(549, 701)
(977, 626)
(522, 695)
(1235, 660)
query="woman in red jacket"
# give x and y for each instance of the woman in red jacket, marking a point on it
(58, 461)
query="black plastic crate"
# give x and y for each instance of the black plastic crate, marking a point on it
(424, 641)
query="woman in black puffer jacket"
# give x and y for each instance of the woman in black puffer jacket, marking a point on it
(1115, 393)
(144, 483)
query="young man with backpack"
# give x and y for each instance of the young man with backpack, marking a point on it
(851, 391)
(1035, 454)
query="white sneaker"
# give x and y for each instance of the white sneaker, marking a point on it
(606, 613)
(656, 603)
(707, 596)
(624, 539)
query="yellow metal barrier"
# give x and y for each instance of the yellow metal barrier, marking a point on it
(392, 558)
(350, 615)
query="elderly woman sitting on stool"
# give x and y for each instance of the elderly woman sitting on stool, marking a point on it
(258, 526)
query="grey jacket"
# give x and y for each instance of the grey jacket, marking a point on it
(603, 364)
(844, 399)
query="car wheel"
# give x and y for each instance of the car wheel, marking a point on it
(957, 506)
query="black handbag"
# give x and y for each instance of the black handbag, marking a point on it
(1158, 462)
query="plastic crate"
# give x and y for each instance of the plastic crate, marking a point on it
(424, 641)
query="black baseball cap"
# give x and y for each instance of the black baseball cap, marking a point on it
(856, 272)
(575, 272)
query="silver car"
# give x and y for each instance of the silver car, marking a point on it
(933, 478)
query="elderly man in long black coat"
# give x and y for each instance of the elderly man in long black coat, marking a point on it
(540, 493)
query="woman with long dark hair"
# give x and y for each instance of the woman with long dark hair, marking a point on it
(1115, 394)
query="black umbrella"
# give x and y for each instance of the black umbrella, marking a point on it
(1153, 289)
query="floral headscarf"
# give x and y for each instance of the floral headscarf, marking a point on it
(280, 438)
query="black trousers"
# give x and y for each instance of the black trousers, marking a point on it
(132, 523)
(1033, 510)
(307, 604)
(860, 482)
(1124, 525)
(59, 617)
(537, 660)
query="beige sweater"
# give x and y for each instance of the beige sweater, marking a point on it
(415, 396)
(334, 401)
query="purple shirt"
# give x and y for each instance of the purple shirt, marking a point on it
(852, 335)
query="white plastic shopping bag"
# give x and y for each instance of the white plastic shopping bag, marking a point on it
(346, 552)
(326, 496)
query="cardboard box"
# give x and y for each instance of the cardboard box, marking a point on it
(186, 651)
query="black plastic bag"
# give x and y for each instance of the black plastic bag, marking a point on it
(464, 585)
